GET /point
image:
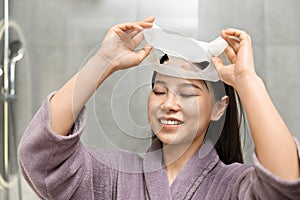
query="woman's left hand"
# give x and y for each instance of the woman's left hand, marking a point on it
(240, 53)
(267, 128)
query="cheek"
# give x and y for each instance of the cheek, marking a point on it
(151, 107)
(196, 105)
(198, 110)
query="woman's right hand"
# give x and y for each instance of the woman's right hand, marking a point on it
(118, 47)
(116, 52)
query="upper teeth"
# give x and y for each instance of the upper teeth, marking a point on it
(170, 122)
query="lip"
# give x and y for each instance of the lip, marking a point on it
(170, 125)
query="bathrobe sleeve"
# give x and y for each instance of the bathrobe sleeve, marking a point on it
(59, 167)
(260, 183)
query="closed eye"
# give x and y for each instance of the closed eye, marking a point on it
(188, 95)
(156, 92)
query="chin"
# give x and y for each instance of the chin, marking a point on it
(179, 138)
(173, 139)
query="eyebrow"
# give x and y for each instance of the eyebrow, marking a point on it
(160, 82)
(180, 85)
(190, 85)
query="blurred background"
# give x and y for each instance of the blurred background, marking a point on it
(58, 35)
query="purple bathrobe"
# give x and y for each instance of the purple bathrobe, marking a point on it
(62, 167)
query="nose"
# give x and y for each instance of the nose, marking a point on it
(170, 103)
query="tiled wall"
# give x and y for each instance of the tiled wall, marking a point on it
(60, 34)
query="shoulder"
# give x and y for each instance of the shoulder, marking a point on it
(228, 179)
(234, 169)
(231, 172)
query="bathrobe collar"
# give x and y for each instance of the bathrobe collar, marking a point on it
(186, 182)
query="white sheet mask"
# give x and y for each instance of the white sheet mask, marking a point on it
(195, 55)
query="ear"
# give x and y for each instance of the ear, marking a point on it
(219, 108)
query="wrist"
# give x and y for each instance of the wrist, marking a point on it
(247, 81)
(95, 71)
(104, 64)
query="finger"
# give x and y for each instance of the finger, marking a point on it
(147, 22)
(242, 35)
(231, 54)
(149, 19)
(131, 33)
(137, 26)
(236, 32)
(138, 38)
(218, 63)
(142, 54)
(128, 31)
(233, 41)
(128, 26)
(224, 72)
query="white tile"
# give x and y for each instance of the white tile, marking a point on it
(177, 15)
(283, 82)
(282, 22)
(215, 15)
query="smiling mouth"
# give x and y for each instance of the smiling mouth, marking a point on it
(170, 122)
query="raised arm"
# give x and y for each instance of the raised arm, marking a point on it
(274, 144)
(116, 53)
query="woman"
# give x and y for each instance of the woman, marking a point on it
(58, 166)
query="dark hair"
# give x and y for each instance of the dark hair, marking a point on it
(228, 145)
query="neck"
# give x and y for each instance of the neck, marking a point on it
(177, 155)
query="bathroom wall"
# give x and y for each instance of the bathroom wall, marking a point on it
(61, 33)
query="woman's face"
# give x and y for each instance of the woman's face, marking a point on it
(179, 110)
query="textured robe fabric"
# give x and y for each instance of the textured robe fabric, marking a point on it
(62, 167)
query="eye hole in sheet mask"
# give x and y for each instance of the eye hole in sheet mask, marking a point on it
(202, 65)
(164, 59)
(185, 65)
